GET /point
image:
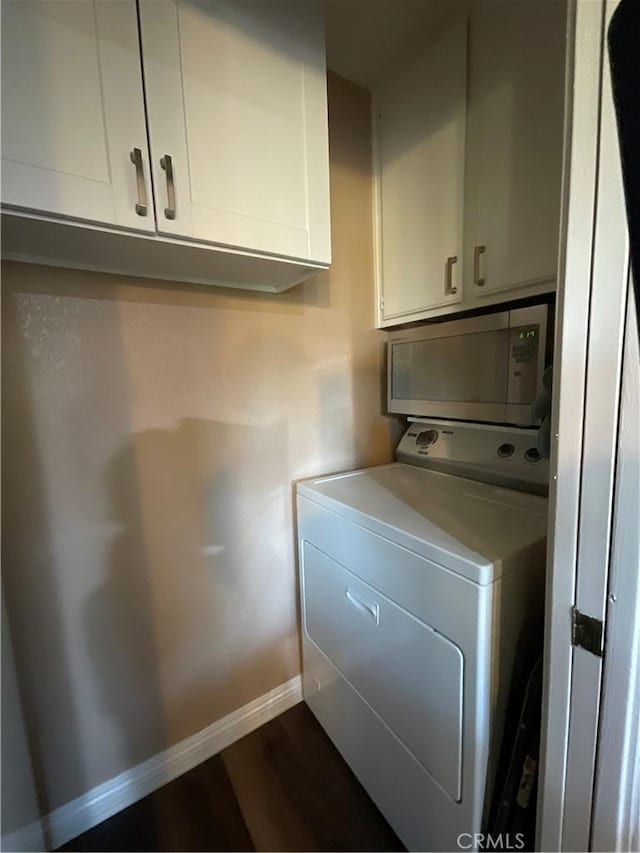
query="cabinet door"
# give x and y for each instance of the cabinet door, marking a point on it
(237, 105)
(73, 111)
(514, 143)
(419, 130)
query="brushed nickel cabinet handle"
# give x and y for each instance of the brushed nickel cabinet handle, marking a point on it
(478, 250)
(136, 158)
(167, 164)
(448, 276)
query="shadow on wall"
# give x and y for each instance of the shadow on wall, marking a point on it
(189, 615)
(118, 623)
(187, 622)
(148, 574)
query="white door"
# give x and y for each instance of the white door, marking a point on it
(514, 144)
(236, 98)
(616, 809)
(587, 379)
(419, 130)
(74, 139)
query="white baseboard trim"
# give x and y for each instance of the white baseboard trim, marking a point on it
(27, 838)
(110, 797)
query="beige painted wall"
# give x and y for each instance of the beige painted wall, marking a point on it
(151, 436)
(20, 827)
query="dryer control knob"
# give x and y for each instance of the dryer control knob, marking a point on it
(532, 455)
(426, 438)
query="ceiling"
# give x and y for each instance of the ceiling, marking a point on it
(367, 39)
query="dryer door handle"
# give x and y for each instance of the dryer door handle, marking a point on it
(371, 609)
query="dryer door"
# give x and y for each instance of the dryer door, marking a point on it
(409, 674)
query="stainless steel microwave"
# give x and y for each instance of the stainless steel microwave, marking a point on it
(486, 368)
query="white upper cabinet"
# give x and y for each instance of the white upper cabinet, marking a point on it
(237, 110)
(74, 139)
(514, 145)
(469, 164)
(173, 139)
(419, 138)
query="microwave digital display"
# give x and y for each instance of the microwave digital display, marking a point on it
(528, 334)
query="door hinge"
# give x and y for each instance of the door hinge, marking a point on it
(382, 303)
(587, 632)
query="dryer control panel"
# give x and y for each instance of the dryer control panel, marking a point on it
(505, 456)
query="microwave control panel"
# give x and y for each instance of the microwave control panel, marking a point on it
(524, 344)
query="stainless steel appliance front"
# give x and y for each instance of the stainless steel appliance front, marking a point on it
(486, 368)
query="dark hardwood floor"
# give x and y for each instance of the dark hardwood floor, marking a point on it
(283, 787)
